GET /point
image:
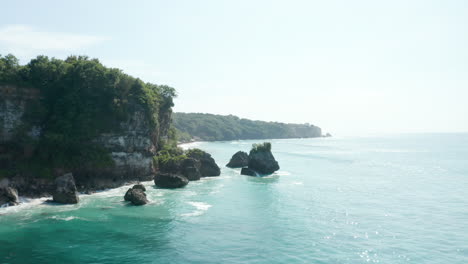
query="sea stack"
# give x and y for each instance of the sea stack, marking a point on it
(261, 160)
(136, 195)
(208, 166)
(239, 160)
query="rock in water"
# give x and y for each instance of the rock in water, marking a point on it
(191, 169)
(261, 159)
(8, 196)
(136, 195)
(208, 166)
(139, 186)
(65, 191)
(248, 172)
(169, 180)
(239, 160)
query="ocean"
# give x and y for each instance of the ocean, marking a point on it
(383, 199)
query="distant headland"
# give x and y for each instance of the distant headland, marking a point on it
(210, 127)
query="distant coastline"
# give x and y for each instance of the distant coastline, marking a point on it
(211, 127)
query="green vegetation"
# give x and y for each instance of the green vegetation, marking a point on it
(211, 127)
(80, 99)
(262, 147)
(169, 158)
(195, 153)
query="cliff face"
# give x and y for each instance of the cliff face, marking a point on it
(131, 145)
(13, 104)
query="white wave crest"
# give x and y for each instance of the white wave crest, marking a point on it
(69, 218)
(201, 208)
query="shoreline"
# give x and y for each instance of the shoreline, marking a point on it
(28, 202)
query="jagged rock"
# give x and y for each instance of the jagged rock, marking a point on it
(8, 196)
(239, 160)
(208, 166)
(262, 161)
(248, 172)
(139, 186)
(136, 195)
(65, 191)
(191, 169)
(169, 180)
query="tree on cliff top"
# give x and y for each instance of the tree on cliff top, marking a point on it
(81, 98)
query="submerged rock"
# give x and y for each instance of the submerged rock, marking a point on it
(208, 166)
(136, 195)
(170, 180)
(239, 160)
(65, 191)
(8, 195)
(261, 159)
(248, 172)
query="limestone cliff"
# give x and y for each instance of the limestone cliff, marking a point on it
(13, 104)
(131, 143)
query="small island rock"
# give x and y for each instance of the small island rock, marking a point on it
(65, 191)
(262, 160)
(136, 195)
(239, 160)
(170, 180)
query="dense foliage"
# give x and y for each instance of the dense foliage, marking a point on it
(171, 158)
(211, 127)
(80, 98)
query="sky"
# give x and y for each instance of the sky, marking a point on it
(350, 67)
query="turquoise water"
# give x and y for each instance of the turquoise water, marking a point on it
(395, 199)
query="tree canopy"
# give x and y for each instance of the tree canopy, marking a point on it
(80, 98)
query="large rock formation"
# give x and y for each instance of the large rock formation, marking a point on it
(170, 181)
(136, 195)
(65, 191)
(208, 166)
(192, 164)
(191, 169)
(239, 160)
(263, 162)
(132, 142)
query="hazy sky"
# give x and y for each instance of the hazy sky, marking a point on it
(347, 66)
